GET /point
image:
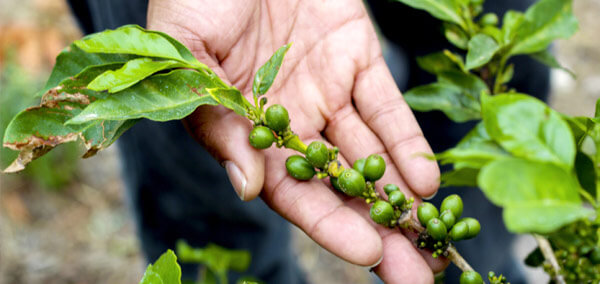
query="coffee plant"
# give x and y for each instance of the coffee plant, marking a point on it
(539, 165)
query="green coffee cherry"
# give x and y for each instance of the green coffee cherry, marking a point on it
(470, 277)
(277, 118)
(425, 212)
(489, 19)
(317, 154)
(454, 204)
(261, 137)
(595, 256)
(299, 168)
(359, 165)
(474, 227)
(374, 167)
(448, 218)
(382, 212)
(396, 198)
(389, 188)
(437, 229)
(459, 231)
(335, 183)
(352, 182)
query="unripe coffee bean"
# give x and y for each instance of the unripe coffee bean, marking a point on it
(382, 212)
(448, 218)
(299, 168)
(474, 227)
(454, 204)
(261, 137)
(388, 188)
(317, 154)
(470, 277)
(437, 229)
(374, 167)
(396, 198)
(352, 182)
(425, 212)
(277, 117)
(359, 165)
(459, 231)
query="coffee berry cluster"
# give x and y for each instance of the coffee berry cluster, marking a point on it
(444, 227)
(391, 210)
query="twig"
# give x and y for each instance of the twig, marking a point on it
(548, 253)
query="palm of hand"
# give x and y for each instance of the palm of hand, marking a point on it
(335, 83)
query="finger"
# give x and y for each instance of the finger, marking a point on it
(355, 140)
(316, 210)
(382, 107)
(225, 135)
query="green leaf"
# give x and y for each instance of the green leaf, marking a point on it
(586, 172)
(526, 127)
(130, 39)
(132, 72)
(455, 35)
(597, 113)
(543, 217)
(444, 97)
(73, 60)
(537, 197)
(231, 99)
(161, 97)
(470, 84)
(460, 177)
(481, 50)
(510, 24)
(266, 74)
(215, 257)
(445, 10)
(548, 59)
(436, 63)
(164, 271)
(37, 130)
(493, 32)
(474, 150)
(544, 22)
(457, 59)
(507, 74)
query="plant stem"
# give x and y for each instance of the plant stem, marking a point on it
(295, 143)
(499, 75)
(548, 253)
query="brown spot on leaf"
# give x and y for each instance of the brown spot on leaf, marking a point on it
(34, 148)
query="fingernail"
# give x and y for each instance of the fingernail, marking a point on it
(376, 264)
(430, 197)
(236, 177)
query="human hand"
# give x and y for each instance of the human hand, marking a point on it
(334, 83)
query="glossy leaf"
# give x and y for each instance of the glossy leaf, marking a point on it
(507, 74)
(460, 177)
(537, 197)
(527, 128)
(266, 74)
(444, 97)
(545, 21)
(548, 59)
(474, 150)
(445, 10)
(164, 271)
(130, 39)
(132, 72)
(73, 60)
(510, 24)
(161, 97)
(455, 35)
(471, 85)
(436, 63)
(494, 33)
(215, 257)
(481, 50)
(231, 99)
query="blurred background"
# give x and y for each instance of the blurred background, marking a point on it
(63, 220)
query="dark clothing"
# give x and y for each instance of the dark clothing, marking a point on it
(176, 190)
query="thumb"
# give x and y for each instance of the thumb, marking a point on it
(225, 136)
